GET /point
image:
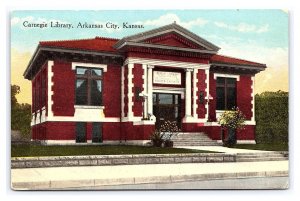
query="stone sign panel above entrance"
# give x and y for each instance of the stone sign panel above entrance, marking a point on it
(163, 77)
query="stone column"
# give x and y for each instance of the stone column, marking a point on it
(188, 94)
(149, 85)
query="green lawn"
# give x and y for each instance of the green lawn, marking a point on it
(71, 150)
(267, 147)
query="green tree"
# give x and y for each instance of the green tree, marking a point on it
(20, 113)
(15, 90)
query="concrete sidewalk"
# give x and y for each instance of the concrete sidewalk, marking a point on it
(223, 149)
(93, 176)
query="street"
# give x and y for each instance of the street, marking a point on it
(239, 183)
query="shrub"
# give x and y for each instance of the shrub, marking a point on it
(234, 119)
(169, 129)
(156, 138)
(271, 115)
(164, 134)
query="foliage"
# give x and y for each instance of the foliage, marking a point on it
(271, 115)
(156, 138)
(169, 129)
(164, 134)
(15, 90)
(20, 113)
(234, 119)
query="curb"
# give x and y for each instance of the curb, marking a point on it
(64, 184)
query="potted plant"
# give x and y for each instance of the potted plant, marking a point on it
(232, 120)
(168, 130)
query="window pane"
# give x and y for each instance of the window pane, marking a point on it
(154, 98)
(97, 132)
(221, 80)
(81, 92)
(231, 81)
(81, 71)
(176, 98)
(220, 98)
(96, 92)
(96, 72)
(80, 132)
(231, 98)
(165, 98)
(176, 112)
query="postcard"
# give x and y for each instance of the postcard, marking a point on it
(149, 99)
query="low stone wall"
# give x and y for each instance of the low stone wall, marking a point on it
(100, 160)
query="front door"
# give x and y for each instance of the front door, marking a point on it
(166, 107)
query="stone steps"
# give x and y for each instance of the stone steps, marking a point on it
(193, 139)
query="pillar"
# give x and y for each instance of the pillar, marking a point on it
(149, 85)
(188, 93)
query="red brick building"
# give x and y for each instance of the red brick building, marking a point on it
(105, 90)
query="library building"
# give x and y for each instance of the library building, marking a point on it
(118, 91)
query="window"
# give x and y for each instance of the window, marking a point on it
(88, 86)
(80, 132)
(96, 132)
(226, 93)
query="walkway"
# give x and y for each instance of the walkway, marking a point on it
(223, 149)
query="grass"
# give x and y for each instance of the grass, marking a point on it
(266, 147)
(71, 150)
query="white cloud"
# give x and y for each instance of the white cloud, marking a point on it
(170, 18)
(244, 27)
(275, 57)
(263, 29)
(16, 20)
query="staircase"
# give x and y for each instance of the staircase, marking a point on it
(193, 139)
(261, 156)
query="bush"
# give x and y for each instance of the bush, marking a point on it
(168, 129)
(156, 138)
(20, 113)
(164, 134)
(234, 119)
(271, 114)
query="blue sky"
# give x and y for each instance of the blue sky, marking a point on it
(255, 35)
(268, 28)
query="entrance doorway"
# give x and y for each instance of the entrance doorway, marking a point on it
(166, 107)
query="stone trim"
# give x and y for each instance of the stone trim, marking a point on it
(237, 77)
(89, 65)
(130, 88)
(253, 99)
